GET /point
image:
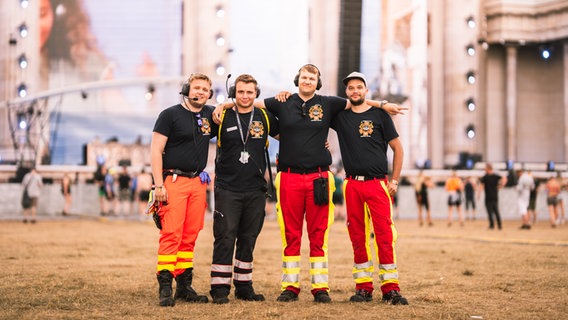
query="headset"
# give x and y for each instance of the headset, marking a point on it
(185, 90)
(297, 77)
(232, 91)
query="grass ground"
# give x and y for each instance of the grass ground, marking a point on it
(105, 269)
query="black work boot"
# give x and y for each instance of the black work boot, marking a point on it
(184, 290)
(220, 294)
(247, 293)
(165, 291)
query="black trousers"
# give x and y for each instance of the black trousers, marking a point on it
(492, 207)
(238, 219)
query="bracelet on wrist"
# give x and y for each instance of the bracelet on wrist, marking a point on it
(394, 182)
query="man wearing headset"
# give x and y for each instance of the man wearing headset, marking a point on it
(179, 150)
(240, 191)
(304, 184)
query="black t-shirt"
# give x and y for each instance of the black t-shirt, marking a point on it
(363, 140)
(123, 181)
(303, 131)
(490, 184)
(188, 137)
(230, 173)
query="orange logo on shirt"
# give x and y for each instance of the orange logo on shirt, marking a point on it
(316, 112)
(206, 127)
(366, 128)
(256, 129)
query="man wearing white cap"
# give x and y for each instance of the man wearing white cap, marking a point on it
(364, 134)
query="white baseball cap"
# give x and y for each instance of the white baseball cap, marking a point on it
(355, 75)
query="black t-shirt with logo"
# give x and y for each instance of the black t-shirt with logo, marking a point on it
(232, 174)
(304, 130)
(188, 137)
(363, 140)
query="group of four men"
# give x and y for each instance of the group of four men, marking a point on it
(304, 185)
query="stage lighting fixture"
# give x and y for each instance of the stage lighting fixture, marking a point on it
(23, 30)
(24, 3)
(150, 92)
(545, 52)
(13, 41)
(220, 40)
(470, 22)
(220, 69)
(220, 12)
(470, 76)
(22, 90)
(470, 104)
(22, 121)
(23, 61)
(470, 131)
(470, 49)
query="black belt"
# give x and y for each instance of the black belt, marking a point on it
(366, 178)
(171, 172)
(304, 170)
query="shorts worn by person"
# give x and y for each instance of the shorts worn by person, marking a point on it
(179, 150)
(365, 134)
(240, 192)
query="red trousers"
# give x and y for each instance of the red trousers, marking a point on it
(295, 202)
(182, 219)
(369, 204)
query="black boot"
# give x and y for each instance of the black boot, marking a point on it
(165, 281)
(184, 290)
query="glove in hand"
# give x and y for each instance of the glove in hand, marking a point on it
(204, 177)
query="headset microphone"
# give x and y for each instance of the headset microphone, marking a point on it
(195, 98)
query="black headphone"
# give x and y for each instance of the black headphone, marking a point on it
(297, 77)
(185, 90)
(232, 92)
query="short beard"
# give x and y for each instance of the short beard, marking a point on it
(357, 102)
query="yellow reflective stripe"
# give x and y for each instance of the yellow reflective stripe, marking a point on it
(291, 270)
(184, 265)
(267, 124)
(317, 259)
(289, 259)
(169, 267)
(185, 254)
(220, 126)
(167, 258)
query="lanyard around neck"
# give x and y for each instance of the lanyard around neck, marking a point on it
(244, 138)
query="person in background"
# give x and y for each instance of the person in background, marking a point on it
(66, 191)
(423, 183)
(124, 192)
(454, 188)
(33, 183)
(143, 187)
(553, 189)
(525, 184)
(491, 183)
(469, 190)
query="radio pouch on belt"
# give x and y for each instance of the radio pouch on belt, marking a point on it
(321, 191)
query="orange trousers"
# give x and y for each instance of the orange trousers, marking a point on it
(182, 219)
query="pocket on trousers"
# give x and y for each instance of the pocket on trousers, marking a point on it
(321, 191)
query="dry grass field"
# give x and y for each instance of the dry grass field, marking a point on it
(83, 268)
